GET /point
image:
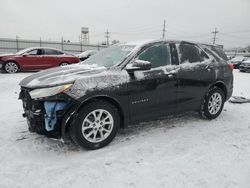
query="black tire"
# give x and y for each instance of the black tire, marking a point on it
(11, 67)
(242, 71)
(204, 110)
(76, 127)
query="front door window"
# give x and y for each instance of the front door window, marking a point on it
(158, 55)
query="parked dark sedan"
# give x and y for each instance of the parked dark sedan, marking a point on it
(245, 66)
(236, 61)
(126, 84)
(36, 59)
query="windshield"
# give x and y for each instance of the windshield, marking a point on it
(22, 51)
(110, 56)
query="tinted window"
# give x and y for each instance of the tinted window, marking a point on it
(52, 52)
(211, 53)
(220, 53)
(188, 53)
(203, 55)
(158, 55)
(35, 52)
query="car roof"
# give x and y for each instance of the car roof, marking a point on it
(34, 48)
(141, 43)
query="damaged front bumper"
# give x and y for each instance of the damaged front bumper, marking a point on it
(48, 116)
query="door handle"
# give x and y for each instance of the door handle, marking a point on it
(171, 74)
(208, 68)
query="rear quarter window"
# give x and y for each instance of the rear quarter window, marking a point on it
(220, 53)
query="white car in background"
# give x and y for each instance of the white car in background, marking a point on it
(86, 54)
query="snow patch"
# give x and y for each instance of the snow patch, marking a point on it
(104, 80)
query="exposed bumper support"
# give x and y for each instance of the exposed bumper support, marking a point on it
(51, 109)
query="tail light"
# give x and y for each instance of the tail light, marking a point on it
(231, 66)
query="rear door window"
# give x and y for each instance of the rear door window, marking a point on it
(220, 53)
(52, 52)
(190, 53)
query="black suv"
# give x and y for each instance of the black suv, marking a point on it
(126, 84)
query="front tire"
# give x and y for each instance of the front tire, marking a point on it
(11, 67)
(96, 125)
(213, 103)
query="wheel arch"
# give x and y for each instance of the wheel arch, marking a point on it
(14, 61)
(222, 86)
(110, 100)
(73, 111)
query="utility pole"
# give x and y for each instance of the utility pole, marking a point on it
(40, 42)
(107, 36)
(164, 29)
(17, 45)
(62, 43)
(215, 33)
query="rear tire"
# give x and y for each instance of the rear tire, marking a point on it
(213, 103)
(96, 125)
(11, 67)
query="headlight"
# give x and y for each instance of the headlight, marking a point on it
(46, 92)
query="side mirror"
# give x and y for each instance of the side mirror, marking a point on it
(138, 65)
(25, 54)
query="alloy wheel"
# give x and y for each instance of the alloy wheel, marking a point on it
(11, 67)
(97, 125)
(215, 103)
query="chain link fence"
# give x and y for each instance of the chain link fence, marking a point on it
(8, 45)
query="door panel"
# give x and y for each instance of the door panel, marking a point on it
(33, 60)
(152, 93)
(52, 57)
(195, 75)
(50, 61)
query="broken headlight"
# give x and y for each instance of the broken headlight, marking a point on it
(47, 92)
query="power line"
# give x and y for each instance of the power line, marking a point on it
(142, 27)
(237, 31)
(164, 29)
(234, 36)
(107, 36)
(136, 33)
(215, 33)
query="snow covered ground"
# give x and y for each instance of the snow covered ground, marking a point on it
(183, 151)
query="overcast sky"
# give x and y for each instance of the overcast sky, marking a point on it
(127, 19)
